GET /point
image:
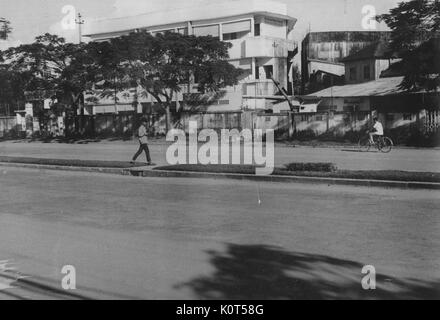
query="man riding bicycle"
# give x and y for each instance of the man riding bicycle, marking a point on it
(377, 130)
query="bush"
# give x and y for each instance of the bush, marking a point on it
(323, 167)
(305, 135)
(413, 137)
(420, 139)
(330, 136)
(352, 136)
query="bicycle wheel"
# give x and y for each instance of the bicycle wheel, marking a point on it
(387, 145)
(364, 145)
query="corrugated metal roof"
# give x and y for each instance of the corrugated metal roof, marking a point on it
(380, 87)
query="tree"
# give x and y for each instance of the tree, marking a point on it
(49, 64)
(12, 86)
(163, 64)
(296, 79)
(413, 24)
(5, 29)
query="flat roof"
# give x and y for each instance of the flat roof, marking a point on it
(209, 11)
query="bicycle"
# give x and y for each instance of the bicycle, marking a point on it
(382, 143)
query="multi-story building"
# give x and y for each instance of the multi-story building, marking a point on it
(260, 32)
(369, 63)
(322, 55)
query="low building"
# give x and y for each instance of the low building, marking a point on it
(350, 107)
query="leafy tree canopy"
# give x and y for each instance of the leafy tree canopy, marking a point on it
(51, 64)
(163, 64)
(415, 27)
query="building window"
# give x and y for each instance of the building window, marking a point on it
(234, 35)
(367, 74)
(318, 118)
(353, 75)
(203, 31)
(230, 36)
(305, 118)
(268, 70)
(348, 108)
(407, 116)
(257, 29)
(257, 73)
(183, 31)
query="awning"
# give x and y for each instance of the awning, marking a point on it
(241, 26)
(207, 31)
(245, 64)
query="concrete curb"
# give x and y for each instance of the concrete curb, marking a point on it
(118, 171)
(246, 177)
(288, 179)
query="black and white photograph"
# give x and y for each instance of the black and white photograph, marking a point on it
(233, 151)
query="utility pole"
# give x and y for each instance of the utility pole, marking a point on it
(79, 21)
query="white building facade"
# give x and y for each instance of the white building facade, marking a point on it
(260, 32)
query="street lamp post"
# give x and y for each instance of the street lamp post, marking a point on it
(79, 21)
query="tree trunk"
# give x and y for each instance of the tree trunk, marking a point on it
(167, 117)
(135, 119)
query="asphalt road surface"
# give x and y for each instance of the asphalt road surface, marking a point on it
(154, 238)
(345, 158)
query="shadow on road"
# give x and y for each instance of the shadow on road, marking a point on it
(262, 272)
(45, 288)
(359, 151)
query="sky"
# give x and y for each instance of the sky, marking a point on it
(30, 18)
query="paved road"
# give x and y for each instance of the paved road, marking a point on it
(345, 158)
(159, 238)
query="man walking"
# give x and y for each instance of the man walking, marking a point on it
(143, 141)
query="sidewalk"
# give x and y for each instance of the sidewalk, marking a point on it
(345, 158)
(402, 180)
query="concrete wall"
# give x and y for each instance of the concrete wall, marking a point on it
(208, 12)
(346, 104)
(273, 28)
(215, 121)
(333, 46)
(376, 66)
(359, 75)
(7, 125)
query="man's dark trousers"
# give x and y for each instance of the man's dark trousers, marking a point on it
(143, 147)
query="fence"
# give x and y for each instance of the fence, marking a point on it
(8, 126)
(432, 121)
(285, 125)
(215, 121)
(102, 125)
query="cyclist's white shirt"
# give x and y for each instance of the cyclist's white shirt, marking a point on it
(379, 129)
